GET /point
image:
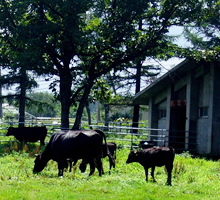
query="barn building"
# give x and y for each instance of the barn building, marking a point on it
(185, 102)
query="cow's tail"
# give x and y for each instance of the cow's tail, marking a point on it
(111, 159)
(103, 135)
(115, 151)
(172, 150)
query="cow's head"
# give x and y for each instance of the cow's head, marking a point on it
(82, 166)
(10, 131)
(133, 157)
(39, 163)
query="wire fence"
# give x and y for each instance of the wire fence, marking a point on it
(123, 135)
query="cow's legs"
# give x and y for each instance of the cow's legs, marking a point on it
(111, 163)
(61, 166)
(70, 164)
(22, 144)
(152, 173)
(169, 171)
(70, 161)
(92, 168)
(60, 172)
(84, 163)
(103, 170)
(42, 142)
(99, 165)
(146, 173)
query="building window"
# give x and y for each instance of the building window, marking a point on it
(162, 114)
(203, 112)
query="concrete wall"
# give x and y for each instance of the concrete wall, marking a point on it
(157, 104)
(202, 90)
(203, 138)
(162, 120)
(204, 122)
(216, 109)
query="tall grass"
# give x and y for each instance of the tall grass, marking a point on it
(193, 178)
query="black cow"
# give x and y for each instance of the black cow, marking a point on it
(28, 134)
(72, 145)
(112, 156)
(152, 157)
(112, 149)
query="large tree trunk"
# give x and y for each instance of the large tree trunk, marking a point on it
(89, 115)
(106, 106)
(98, 118)
(65, 94)
(82, 104)
(137, 89)
(137, 107)
(22, 99)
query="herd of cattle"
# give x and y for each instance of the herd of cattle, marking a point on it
(67, 147)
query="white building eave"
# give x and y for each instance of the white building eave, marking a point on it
(173, 75)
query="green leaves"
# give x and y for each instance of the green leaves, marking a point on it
(204, 33)
(81, 40)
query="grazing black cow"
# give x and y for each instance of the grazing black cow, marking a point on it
(152, 157)
(28, 134)
(72, 145)
(112, 149)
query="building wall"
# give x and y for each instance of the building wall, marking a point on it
(162, 108)
(158, 116)
(204, 114)
(202, 108)
(153, 118)
(192, 111)
(203, 138)
(216, 109)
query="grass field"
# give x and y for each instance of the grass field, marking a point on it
(193, 178)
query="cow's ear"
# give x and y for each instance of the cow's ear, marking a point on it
(132, 152)
(37, 155)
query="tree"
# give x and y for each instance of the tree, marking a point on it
(14, 58)
(42, 104)
(24, 83)
(204, 33)
(130, 78)
(79, 41)
(126, 43)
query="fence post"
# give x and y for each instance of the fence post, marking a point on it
(131, 139)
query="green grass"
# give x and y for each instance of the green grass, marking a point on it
(193, 178)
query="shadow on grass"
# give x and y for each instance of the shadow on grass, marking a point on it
(7, 147)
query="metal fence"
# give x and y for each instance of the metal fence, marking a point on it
(124, 136)
(186, 141)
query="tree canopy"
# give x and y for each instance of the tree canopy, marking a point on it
(204, 33)
(79, 41)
